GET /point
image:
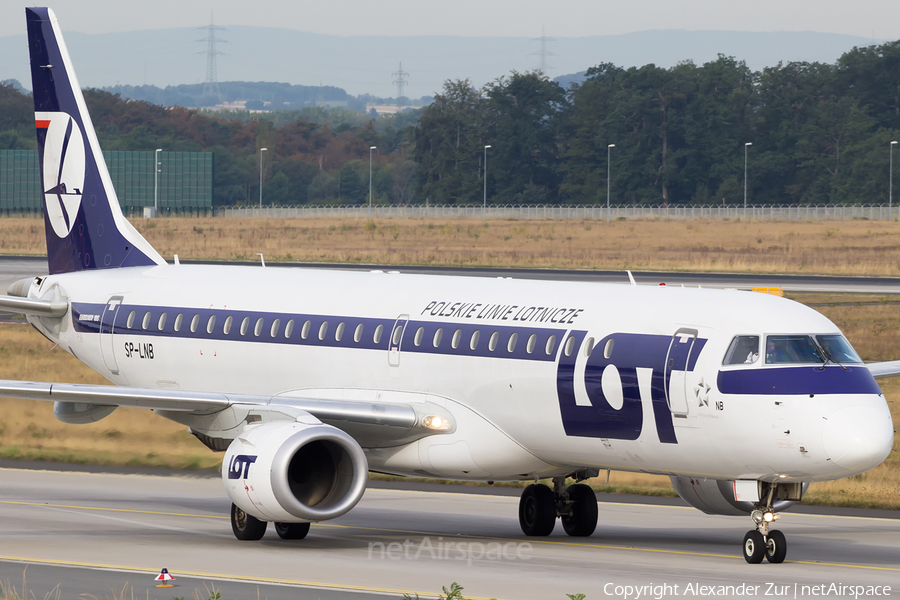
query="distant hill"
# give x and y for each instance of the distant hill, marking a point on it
(257, 95)
(364, 65)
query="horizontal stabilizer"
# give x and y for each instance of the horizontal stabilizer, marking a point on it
(26, 306)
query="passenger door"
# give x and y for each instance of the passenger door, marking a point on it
(107, 326)
(677, 359)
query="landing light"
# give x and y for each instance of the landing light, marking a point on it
(769, 517)
(436, 423)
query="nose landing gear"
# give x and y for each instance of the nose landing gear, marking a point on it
(575, 505)
(765, 542)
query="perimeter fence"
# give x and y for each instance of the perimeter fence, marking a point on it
(806, 212)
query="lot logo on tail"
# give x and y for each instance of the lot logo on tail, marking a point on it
(63, 169)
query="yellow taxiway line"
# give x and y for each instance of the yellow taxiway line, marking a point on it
(431, 533)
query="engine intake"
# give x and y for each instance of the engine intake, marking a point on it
(295, 472)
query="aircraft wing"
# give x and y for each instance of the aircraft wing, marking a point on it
(364, 413)
(879, 370)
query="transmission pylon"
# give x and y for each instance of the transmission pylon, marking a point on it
(400, 78)
(211, 85)
(543, 53)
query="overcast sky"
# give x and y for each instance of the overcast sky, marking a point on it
(878, 19)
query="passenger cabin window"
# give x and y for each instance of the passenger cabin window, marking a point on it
(437, 337)
(323, 330)
(304, 332)
(210, 325)
(589, 346)
(492, 343)
(289, 329)
(178, 321)
(245, 325)
(257, 329)
(511, 344)
(379, 331)
(744, 350)
(130, 322)
(146, 322)
(357, 335)
(420, 335)
(457, 337)
(781, 349)
(339, 332)
(607, 349)
(532, 342)
(551, 345)
(161, 324)
(570, 345)
(398, 331)
(226, 329)
(838, 349)
(473, 342)
(276, 327)
(195, 323)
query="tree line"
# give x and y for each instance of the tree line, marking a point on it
(818, 133)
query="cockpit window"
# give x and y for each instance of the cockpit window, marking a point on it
(744, 350)
(781, 349)
(838, 349)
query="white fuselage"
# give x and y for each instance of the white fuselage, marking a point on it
(639, 387)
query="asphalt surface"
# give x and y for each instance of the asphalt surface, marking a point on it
(13, 268)
(96, 534)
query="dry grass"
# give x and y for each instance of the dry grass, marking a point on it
(840, 247)
(130, 436)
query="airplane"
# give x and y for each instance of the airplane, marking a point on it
(307, 380)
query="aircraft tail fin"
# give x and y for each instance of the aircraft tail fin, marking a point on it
(84, 224)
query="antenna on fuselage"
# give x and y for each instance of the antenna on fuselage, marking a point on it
(631, 278)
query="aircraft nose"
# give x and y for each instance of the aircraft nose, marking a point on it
(858, 437)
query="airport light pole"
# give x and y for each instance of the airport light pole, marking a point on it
(608, 172)
(370, 179)
(156, 182)
(891, 185)
(261, 150)
(747, 145)
(484, 206)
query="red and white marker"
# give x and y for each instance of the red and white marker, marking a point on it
(165, 578)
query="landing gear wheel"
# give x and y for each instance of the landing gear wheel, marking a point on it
(292, 531)
(776, 547)
(537, 510)
(754, 547)
(246, 527)
(582, 519)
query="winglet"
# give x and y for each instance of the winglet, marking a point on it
(84, 224)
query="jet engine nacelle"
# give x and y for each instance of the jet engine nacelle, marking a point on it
(295, 472)
(717, 497)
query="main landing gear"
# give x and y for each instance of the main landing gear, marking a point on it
(246, 527)
(575, 505)
(762, 541)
